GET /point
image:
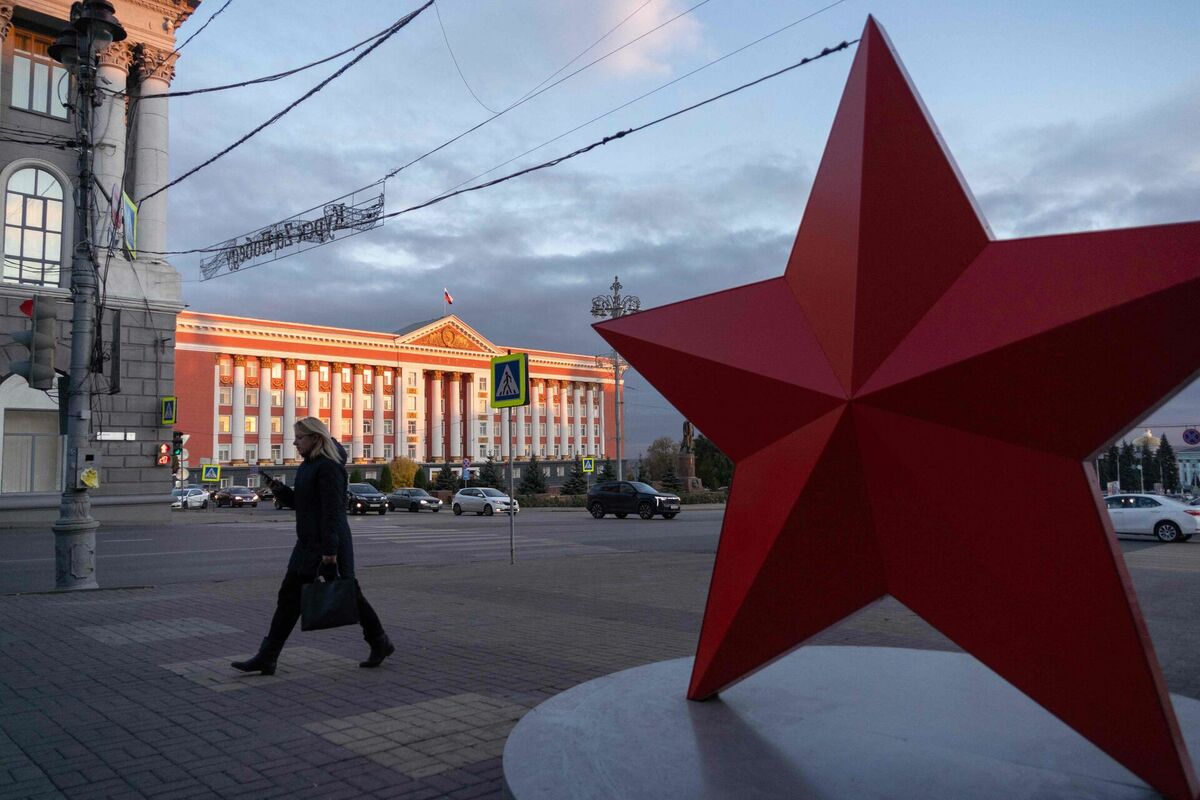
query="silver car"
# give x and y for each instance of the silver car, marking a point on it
(1153, 515)
(189, 498)
(483, 500)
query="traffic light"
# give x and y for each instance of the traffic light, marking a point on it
(40, 341)
(177, 444)
(164, 454)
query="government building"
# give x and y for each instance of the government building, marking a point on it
(420, 392)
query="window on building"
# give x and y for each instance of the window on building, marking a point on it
(368, 375)
(276, 424)
(325, 420)
(252, 397)
(226, 367)
(302, 399)
(251, 424)
(388, 427)
(31, 452)
(562, 471)
(367, 451)
(368, 402)
(277, 453)
(412, 403)
(277, 370)
(38, 83)
(347, 401)
(33, 218)
(346, 371)
(596, 430)
(222, 454)
(251, 368)
(516, 472)
(412, 451)
(412, 427)
(301, 372)
(324, 373)
(368, 427)
(252, 453)
(323, 401)
(483, 405)
(412, 379)
(225, 396)
(223, 423)
(388, 402)
(277, 398)
(252, 480)
(541, 429)
(226, 483)
(387, 377)
(388, 450)
(483, 429)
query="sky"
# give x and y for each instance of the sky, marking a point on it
(1062, 116)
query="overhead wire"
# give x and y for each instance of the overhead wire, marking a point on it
(437, 12)
(657, 89)
(200, 30)
(401, 23)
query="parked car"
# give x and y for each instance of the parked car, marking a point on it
(264, 492)
(622, 498)
(485, 500)
(189, 498)
(236, 496)
(363, 497)
(413, 500)
(1153, 515)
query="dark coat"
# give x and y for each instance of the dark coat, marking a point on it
(319, 497)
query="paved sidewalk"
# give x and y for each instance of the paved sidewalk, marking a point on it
(127, 692)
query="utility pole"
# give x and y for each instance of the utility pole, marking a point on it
(93, 26)
(614, 306)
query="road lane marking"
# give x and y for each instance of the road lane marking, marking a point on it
(113, 541)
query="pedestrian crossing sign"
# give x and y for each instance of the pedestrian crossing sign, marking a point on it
(589, 464)
(510, 380)
(210, 473)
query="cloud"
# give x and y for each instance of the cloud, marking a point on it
(654, 54)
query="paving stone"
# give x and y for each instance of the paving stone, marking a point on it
(157, 630)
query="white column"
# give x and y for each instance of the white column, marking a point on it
(335, 401)
(577, 427)
(264, 410)
(378, 415)
(470, 434)
(564, 388)
(589, 433)
(436, 427)
(237, 427)
(289, 408)
(603, 429)
(356, 415)
(109, 125)
(535, 426)
(216, 406)
(156, 70)
(454, 401)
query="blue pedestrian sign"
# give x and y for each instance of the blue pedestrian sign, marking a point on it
(210, 473)
(510, 380)
(589, 464)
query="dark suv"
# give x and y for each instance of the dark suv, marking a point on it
(363, 497)
(622, 498)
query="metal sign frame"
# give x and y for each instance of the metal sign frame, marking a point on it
(169, 411)
(499, 365)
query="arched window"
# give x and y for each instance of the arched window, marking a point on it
(33, 223)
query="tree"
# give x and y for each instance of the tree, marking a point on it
(385, 479)
(1168, 467)
(404, 471)
(670, 481)
(660, 456)
(576, 481)
(356, 475)
(1126, 470)
(1145, 457)
(1106, 467)
(420, 480)
(607, 473)
(490, 474)
(446, 479)
(532, 479)
(713, 468)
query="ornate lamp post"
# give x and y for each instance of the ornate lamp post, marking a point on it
(92, 28)
(614, 306)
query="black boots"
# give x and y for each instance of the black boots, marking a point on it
(264, 661)
(381, 648)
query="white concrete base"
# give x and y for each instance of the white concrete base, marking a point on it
(824, 722)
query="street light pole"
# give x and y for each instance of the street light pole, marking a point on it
(93, 26)
(615, 306)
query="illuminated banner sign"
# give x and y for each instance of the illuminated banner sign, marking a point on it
(339, 219)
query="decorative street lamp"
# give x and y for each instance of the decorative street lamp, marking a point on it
(93, 27)
(614, 306)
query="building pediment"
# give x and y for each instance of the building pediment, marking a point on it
(449, 334)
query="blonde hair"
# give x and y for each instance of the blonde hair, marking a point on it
(326, 447)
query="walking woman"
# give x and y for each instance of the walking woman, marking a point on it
(322, 543)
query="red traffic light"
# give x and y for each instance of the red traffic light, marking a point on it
(164, 449)
(27, 307)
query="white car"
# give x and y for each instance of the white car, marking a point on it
(189, 498)
(484, 500)
(1153, 515)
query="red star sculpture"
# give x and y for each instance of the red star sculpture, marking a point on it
(910, 407)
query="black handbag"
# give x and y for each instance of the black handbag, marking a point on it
(328, 603)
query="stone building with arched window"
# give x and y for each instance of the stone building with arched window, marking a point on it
(38, 167)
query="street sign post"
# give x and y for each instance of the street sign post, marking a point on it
(510, 388)
(210, 473)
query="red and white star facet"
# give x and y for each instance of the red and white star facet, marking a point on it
(914, 404)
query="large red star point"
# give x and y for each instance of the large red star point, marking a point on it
(909, 408)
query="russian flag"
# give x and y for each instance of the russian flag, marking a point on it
(446, 296)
